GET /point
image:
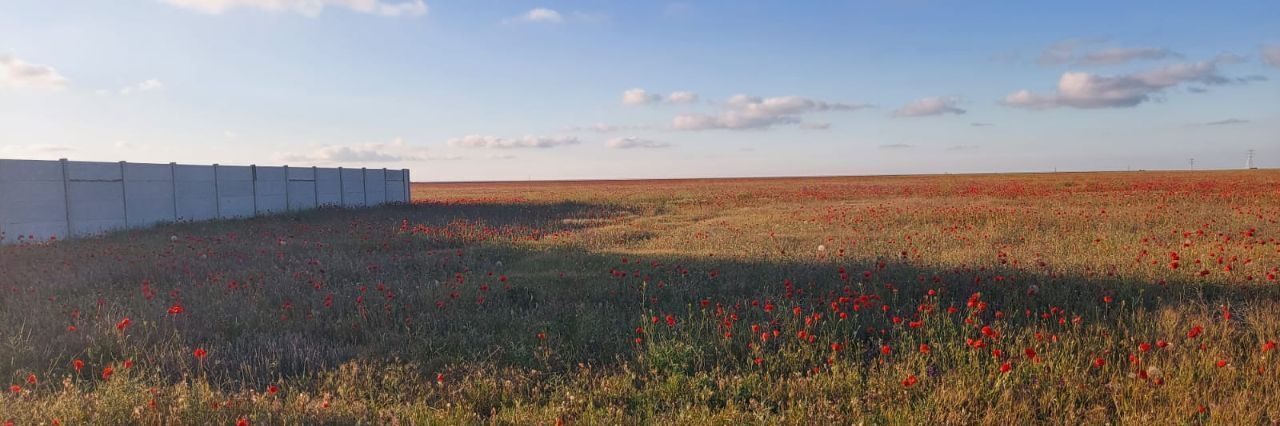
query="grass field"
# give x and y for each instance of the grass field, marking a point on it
(1135, 298)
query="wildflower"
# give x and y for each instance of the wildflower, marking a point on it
(1144, 347)
(1270, 345)
(175, 309)
(123, 324)
(273, 389)
(77, 364)
(886, 350)
(1099, 362)
(910, 381)
(1006, 367)
(924, 348)
(200, 353)
(15, 389)
(31, 379)
(107, 372)
(1195, 331)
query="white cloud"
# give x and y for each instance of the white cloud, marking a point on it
(896, 146)
(495, 142)
(604, 128)
(146, 86)
(541, 15)
(19, 74)
(1123, 55)
(1085, 90)
(33, 151)
(1271, 55)
(308, 7)
(930, 106)
(396, 150)
(682, 97)
(640, 96)
(1064, 51)
(752, 112)
(810, 125)
(633, 142)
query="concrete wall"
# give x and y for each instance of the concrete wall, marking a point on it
(43, 200)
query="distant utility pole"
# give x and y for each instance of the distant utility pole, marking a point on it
(1248, 164)
(1192, 163)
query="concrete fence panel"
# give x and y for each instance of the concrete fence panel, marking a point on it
(353, 187)
(195, 192)
(148, 194)
(396, 186)
(375, 186)
(95, 197)
(235, 192)
(32, 201)
(270, 188)
(328, 187)
(301, 187)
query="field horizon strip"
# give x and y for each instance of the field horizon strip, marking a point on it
(1071, 298)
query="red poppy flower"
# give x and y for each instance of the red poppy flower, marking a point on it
(15, 389)
(1099, 362)
(200, 353)
(910, 381)
(1195, 331)
(31, 379)
(77, 364)
(107, 372)
(1006, 367)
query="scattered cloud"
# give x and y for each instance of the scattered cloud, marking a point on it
(307, 7)
(146, 86)
(33, 150)
(603, 128)
(396, 150)
(975, 124)
(959, 148)
(541, 15)
(682, 97)
(638, 96)
(811, 125)
(230, 135)
(930, 106)
(1271, 55)
(752, 112)
(1123, 55)
(18, 74)
(896, 146)
(1085, 90)
(1064, 51)
(633, 142)
(495, 142)
(1226, 122)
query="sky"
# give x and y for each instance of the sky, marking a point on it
(594, 89)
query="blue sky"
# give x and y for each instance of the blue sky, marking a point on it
(499, 90)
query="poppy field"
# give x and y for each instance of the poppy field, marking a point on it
(1065, 298)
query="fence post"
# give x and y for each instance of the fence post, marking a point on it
(342, 189)
(66, 197)
(287, 204)
(124, 195)
(173, 180)
(315, 186)
(253, 182)
(217, 193)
